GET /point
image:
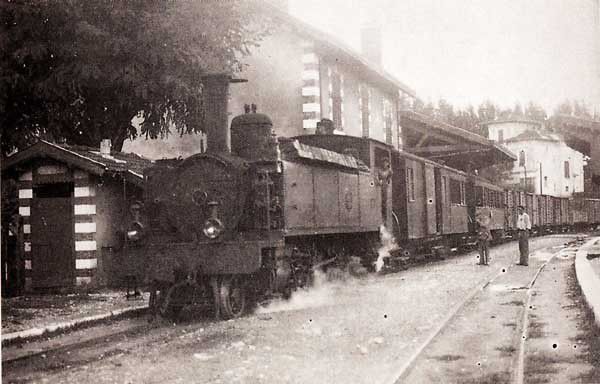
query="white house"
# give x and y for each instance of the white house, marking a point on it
(546, 164)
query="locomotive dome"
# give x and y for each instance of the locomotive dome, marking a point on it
(252, 136)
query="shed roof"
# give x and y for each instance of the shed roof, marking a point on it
(534, 135)
(457, 147)
(294, 149)
(507, 121)
(130, 165)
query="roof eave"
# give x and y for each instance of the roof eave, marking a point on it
(330, 45)
(55, 152)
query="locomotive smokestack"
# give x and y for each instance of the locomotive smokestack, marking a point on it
(216, 94)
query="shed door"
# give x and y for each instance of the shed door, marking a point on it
(52, 260)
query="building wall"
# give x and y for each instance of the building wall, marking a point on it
(550, 156)
(85, 227)
(509, 129)
(25, 185)
(376, 103)
(275, 73)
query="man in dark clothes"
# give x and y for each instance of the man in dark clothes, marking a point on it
(523, 226)
(484, 236)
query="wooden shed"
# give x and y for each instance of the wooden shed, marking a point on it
(73, 203)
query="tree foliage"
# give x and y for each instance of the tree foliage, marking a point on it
(473, 119)
(79, 71)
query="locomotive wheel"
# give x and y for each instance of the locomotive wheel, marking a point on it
(157, 297)
(233, 297)
(168, 302)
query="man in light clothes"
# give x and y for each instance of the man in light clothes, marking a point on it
(523, 226)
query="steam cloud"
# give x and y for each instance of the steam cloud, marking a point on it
(388, 244)
(320, 294)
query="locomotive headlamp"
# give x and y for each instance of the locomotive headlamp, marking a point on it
(213, 227)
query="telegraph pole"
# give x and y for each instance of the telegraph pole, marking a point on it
(541, 182)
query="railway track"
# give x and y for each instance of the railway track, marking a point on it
(97, 335)
(405, 372)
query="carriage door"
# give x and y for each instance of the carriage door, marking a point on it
(399, 198)
(439, 202)
(52, 263)
(432, 218)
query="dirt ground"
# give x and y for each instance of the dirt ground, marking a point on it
(38, 310)
(358, 331)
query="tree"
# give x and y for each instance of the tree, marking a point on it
(445, 112)
(517, 112)
(564, 108)
(580, 109)
(535, 112)
(79, 71)
(429, 109)
(487, 111)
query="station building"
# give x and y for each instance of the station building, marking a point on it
(300, 75)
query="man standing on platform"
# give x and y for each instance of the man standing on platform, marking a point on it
(523, 226)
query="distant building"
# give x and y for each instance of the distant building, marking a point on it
(545, 163)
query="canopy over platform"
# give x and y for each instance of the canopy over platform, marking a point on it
(579, 133)
(453, 146)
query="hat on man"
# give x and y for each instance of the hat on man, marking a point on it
(520, 206)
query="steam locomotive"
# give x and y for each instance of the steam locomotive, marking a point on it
(230, 227)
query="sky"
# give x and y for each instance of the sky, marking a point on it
(469, 51)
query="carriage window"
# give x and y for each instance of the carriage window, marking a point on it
(444, 189)
(410, 184)
(567, 170)
(455, 191)
(463, 195)
(479, 196)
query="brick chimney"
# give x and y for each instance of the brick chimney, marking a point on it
(370, 42)
(105, 147)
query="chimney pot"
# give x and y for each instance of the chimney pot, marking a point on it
(371, 44)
